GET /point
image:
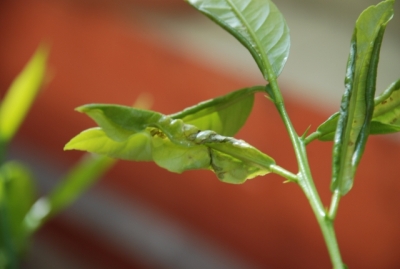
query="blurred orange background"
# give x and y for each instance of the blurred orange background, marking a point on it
(102, 54)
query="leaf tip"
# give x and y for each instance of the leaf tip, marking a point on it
(68, 146)
(82, 109)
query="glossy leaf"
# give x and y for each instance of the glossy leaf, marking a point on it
(175, 146)
(258, 25)
(357, 105)
(384, 120)
(21, 95)
(224, 115)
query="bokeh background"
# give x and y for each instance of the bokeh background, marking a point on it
(140, 216)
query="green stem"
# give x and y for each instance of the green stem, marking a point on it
(276, 169)
(306, 181)
(334, 205)
(311, 137)
(8, 244)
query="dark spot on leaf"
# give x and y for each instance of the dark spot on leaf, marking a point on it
(157, 132)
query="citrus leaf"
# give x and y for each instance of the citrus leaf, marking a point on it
(18, 195)
(82, 175)
(120, 122)
(224, 115)
(21, 94)
(357, 105)
(176, 158)
(234, 160)
(75, 182)
(136, 148)
(258, 25)
(327, 129)
(387, 109)
(232, 170)
(384, 120)
(175, 146)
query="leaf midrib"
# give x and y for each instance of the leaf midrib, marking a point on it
(264, 57)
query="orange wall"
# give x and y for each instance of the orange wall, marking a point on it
(97, 56)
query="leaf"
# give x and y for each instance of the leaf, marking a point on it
(120, 122)
(78, 179)
(234, 160)
(357, 106)
(178, 159)
(326, 130)
(175, 146)
(136, 148)
(258, 25)
(21, 94)
(384, 120)
(224, 115)
(18, 195)
(232, 170)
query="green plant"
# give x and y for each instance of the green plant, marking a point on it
(20, 213)
(200, 137)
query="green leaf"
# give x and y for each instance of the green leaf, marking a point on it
(136, 148)
(120, 122)
(234, 160)
(224, 115)
(175, 146)
(258, 25)
(178, 159)
(357, 105)
(327, 129)
(17, 196)
(384, 120)
(232, 170)
(89, 169)
(21, 95)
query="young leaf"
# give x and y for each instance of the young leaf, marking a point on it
(136, 148)
(384, 120)
(120, 122)
(77, 180)
(176, 158)
(224, 115)
(231, 170)
(19, 192)
(21, 95)
(175, 146)
(258, 25)
(358, 100)
(233, 160)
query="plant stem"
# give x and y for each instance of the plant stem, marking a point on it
(311, 137)
(306, 182)
(334, 205)
(276, 169)
(5, 229)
